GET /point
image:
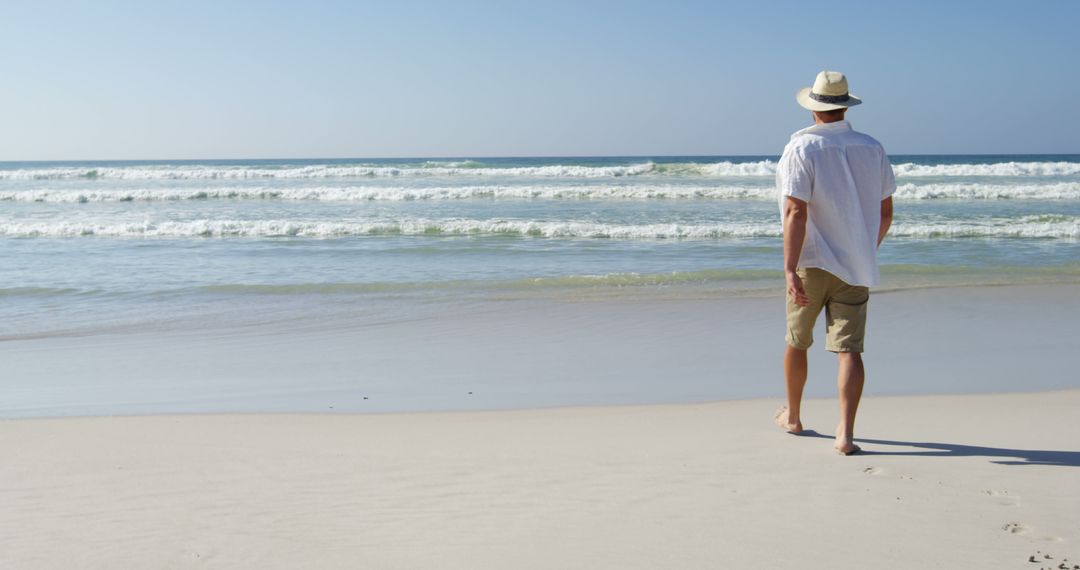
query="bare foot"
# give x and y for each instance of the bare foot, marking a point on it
(782, 419)
(847, 448)
(845, 444)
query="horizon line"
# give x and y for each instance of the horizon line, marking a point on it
(501, 157)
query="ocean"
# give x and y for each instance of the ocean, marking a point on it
(100, 246)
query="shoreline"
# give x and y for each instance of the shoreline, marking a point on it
(705, 285)
(526, 354)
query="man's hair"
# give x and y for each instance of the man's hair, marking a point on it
(833, 115)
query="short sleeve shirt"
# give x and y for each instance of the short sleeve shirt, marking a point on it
(843, 175)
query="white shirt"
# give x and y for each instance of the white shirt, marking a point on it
(843, 175)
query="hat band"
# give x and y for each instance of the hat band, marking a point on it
(830, 98)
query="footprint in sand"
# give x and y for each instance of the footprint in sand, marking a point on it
(1016, 528)
(1022, 529)
(871, 470)
(1004, 498)
(1064, 564)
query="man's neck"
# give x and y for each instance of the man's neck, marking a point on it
(829, 117)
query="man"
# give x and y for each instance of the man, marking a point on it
(836, 189)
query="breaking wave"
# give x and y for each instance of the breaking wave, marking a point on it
(1049, 226)
(1059, 191)
(761, 168)
(403, 193)
(172, 172)
(319, 229)
(993, 169)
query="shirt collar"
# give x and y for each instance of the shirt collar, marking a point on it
(833, 127)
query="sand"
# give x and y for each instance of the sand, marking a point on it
(973, 481)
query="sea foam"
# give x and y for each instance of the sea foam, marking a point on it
(190, 172)
(400, 193)
(993, 169)
(906, 191)
(1046, 226)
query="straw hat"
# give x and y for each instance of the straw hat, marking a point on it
(829, 92)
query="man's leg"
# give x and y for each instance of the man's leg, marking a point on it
(845, 317)
(795, 377)
(800, 335)
(850, 382)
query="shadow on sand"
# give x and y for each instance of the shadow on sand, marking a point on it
(932, 449)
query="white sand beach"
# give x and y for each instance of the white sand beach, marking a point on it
(983, 481)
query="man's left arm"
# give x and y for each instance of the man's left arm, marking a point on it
(888, 187)
(886, 219)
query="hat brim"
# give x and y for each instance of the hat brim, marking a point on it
(804, 100)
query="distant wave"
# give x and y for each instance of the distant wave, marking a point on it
(430, 169)
(402, 193)
(908, 191)
(166, 172)
(763, 168)
(468, 168)
(1050, 226)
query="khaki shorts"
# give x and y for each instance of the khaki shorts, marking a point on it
(845, 312)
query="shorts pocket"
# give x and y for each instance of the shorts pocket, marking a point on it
(845, 316)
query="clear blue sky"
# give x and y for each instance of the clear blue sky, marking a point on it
(222, 79)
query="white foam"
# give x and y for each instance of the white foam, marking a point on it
(165, 172)
(430, 169)
(993, 169)
(725, 168)
(1060, 227)
(1059, 191)
(321, 229)
(909, 191)
(402, 193)
(1027, 227)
